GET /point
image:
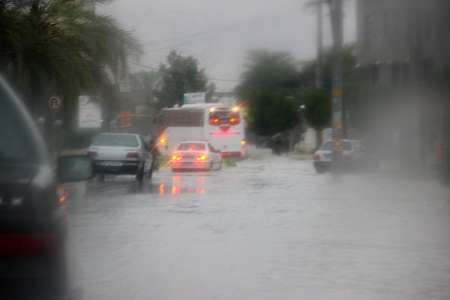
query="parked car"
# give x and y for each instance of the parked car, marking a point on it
(32, 206)
(194, 155)
(353, 155)
(121, 154)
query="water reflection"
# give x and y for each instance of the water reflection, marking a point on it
(177, 185)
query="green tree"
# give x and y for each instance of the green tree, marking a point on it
(270, 87)
(180, 75)
(60, 47)
(147, 82)
(318, 101)
(317, 111)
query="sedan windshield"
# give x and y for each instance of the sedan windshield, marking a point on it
(116, 140)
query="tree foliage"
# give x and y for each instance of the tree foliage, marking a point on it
(317, 108)
(270, 86)
(147, 82)
(180, 75)
(62, 47)
(318, 101)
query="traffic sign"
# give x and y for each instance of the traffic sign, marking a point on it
(55, 103)
(89, 113)
(194, 98)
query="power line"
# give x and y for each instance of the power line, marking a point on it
(190, 38)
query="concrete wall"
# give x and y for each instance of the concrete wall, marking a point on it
(403, 31)
(401, 44)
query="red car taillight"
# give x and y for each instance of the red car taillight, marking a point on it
(235, 120)
(176, 157)
(202, 157)
(214, 121)
(316, 157)
(61, 194)
(132, 155)
(92, 154)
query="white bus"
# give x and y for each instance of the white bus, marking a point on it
(221, 126)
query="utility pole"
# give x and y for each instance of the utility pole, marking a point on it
(336, 13)
(319, 44)
(318, 6)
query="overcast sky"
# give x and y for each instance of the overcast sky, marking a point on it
(219, 33)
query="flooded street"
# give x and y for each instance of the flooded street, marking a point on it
(268, 228)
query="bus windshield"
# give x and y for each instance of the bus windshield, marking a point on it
(224, 117)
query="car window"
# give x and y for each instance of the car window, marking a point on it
(326, 147)
(191, 147)
(14, 144)
(142, 140)
(116, 140)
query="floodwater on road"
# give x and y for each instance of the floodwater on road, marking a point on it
(268, 228)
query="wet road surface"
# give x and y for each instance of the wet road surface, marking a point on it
(268, 228)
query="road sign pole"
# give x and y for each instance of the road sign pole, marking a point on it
(336, 13)
(55, 105)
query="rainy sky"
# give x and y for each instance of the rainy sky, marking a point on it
(219, 33)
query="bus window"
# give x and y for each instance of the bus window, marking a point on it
(217, 118)
(182, 118)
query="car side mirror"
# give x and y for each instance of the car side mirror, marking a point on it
(74, 168)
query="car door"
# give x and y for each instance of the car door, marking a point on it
(146, 154)
(214, 154)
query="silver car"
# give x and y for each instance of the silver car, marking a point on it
(352, 154)
(120, 154)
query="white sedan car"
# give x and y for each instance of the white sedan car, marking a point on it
(352, 154)
(195, 155)
(120, 154)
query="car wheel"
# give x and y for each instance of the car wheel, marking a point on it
(140, 175)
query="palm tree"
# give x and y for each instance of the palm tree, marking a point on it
(60, 46)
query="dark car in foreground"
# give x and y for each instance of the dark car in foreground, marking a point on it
(32, 207)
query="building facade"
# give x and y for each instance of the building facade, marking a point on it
(404, 31)
(403, 47)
